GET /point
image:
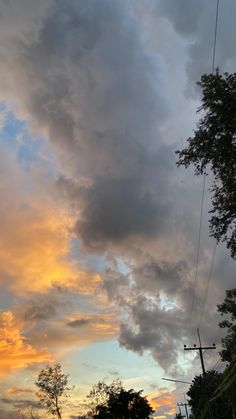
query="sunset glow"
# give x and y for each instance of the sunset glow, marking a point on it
(99, 228)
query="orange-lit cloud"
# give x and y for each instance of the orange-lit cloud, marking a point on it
(35, 234)
(15, 352)
(35, 242)
(17, 391)
(163, 399)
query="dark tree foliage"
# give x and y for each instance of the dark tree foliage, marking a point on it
(228, 310)
(228, 353)
(202, 398)
(214, 146)
(114, 402)
(52, 384)
(101, 392)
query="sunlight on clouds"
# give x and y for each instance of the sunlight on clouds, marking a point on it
(35, 234)
(163, 399)
(16, 391)
(15, 352)
(35, 242)
(98, 325)
(79, 330)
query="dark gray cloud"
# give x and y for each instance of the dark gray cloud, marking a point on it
(153, 329)
(43, 310)
(100, 100)
(155, 298)
(118, 208)
(78, 323)
(154, 276)
(45, 307)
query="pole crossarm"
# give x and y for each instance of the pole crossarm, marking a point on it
(199, 347)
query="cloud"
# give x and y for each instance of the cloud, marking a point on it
(35, 242)
(9, 414)
(197, 22)
(16, 352)
(155, 276)
(154, 299)
(23, 408)
(36, 237)
(77, 331)
(2, 119)
(120, 153)
(112, 215)
(17, 391)
(185, 15)
(39, 310)
(163, 402)
(78, 323)
(154, 329)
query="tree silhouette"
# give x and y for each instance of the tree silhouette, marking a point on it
(52, 384)
(202, 397)
(228, 309)
(214, 145)
(114, 402)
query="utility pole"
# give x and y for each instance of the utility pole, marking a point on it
(180, 404)
(182, 416)
(185, 405)
(200, 348)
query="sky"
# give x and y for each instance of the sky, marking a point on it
(98, 227)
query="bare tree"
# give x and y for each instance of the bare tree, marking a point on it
(52, 384)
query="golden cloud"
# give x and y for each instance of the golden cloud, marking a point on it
(163, 399)
(15, 351)
(35, 233)
(17, 391)
(34, 248)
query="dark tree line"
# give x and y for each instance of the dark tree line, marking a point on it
(213, 147)
(214, 395)
(104, 401)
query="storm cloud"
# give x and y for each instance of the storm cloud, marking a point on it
(100, 101)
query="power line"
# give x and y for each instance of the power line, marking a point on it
(198, 247)
(204, 176)
(215, 37)
(208, 286)
(203, 189)
(176, 381)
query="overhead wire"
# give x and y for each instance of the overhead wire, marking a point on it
(207, 286)
(198, 249)
(219, 363)
(203, 193)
